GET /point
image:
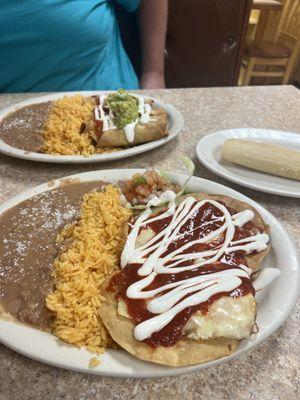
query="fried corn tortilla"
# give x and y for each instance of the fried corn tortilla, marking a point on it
(155, 129)
(186, 351)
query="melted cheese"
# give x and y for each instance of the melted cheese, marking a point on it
(231, 318)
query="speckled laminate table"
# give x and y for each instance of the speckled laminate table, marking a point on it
(269, 372)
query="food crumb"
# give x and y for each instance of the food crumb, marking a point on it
(94, 362)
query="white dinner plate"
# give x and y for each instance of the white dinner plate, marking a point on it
(209, 154)
(274, 303)
(175, 125)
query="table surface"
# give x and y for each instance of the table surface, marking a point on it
(271, 371)
(267, 5)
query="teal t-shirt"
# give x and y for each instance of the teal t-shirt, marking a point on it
(63, 45)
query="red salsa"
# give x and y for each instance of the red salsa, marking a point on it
(205, 220)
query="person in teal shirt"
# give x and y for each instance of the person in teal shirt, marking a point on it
(66, 45)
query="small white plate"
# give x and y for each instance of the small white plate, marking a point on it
(209, 154)
(274, 303)
(175, 125)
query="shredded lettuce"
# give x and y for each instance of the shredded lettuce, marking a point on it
(165, 175)
(190, 166)
(138, 207)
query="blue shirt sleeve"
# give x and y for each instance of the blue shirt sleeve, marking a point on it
(129, 5)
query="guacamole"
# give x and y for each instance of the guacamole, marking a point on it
(124, 108)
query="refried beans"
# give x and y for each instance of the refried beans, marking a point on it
(22, 128)
(28, 248)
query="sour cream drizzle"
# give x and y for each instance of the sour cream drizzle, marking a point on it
(100, 115)
(172, 298)
(129, 130)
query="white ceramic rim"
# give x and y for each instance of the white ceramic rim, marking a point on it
(176, 124)
(14, 335)
(206, 145)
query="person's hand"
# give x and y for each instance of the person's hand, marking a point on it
(152, 80)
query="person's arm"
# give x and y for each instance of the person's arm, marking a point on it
(153, 25)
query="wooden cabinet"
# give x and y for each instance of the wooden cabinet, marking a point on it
(205, 41)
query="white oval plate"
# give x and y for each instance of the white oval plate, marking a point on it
(274, 303)
(209, 154)
(175, 125)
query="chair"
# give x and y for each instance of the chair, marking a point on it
(274, 59)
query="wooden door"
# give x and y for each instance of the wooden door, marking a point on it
(205, 40)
